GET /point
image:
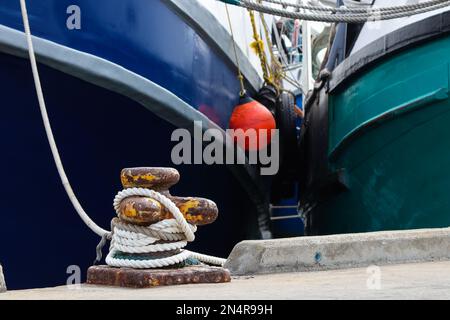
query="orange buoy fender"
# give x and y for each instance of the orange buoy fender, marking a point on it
(252, 115)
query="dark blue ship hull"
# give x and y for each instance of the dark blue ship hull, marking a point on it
(144, 36)
(105, 117)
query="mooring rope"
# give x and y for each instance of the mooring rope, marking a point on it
(392, 9)
(236, 57)
(48, 129)
(369, 15)
(123, 236)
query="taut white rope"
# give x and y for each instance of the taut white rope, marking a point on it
(372, 14)
(125, 238)
(48, 129)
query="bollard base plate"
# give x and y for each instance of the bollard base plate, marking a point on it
(148, 278)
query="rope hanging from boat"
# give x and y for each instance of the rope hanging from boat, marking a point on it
(276, 69)
(122, 236)
(335, 16)
(240, 76)
(48, 129)
(258, 45)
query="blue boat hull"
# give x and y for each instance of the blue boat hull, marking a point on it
(145, 37)
(102, 128)
(98, 133)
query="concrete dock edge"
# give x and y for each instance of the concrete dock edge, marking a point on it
(339, 251)
(2, 280)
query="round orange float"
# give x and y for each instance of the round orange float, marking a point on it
(252, 115)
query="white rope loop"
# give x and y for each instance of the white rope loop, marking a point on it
(146, 264)
(132, 239)
(131, 247)
(166, 202)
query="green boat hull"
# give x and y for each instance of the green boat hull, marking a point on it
(389, 137)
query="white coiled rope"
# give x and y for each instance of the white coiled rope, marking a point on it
(132, 239)
(124, 236)
(185, 227)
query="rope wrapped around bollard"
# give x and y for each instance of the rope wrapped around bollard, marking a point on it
(151, 230)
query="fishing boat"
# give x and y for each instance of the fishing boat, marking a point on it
(375, 143)
(366, 153)
(118, 77)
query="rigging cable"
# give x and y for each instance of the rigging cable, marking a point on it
(240, 76)
(393, 9)
(369, 15)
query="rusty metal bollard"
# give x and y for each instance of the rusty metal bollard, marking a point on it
(146, 211)
(143, 212)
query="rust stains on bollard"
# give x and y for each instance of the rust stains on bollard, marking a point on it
(148, 278)
(151, 178)
(197, 211)
(146, 211)
(141, 211)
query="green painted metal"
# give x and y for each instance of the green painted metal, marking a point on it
(233, 2)
(390, 130)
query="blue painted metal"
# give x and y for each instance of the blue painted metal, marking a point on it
(145, 37)
(287, 226)
(149, 39)
(90, 123)
(98, 132)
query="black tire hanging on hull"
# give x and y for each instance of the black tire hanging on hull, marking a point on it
(283, 185)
